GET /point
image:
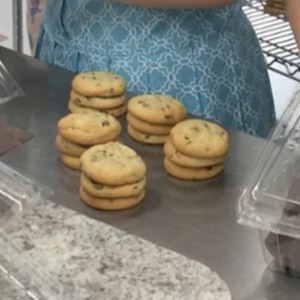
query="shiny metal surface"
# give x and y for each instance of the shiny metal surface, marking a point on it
(195, 219)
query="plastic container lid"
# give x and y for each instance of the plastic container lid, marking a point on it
(271, 201)
(19, 194)
(9, 88)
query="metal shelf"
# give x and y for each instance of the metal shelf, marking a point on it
(276, 39)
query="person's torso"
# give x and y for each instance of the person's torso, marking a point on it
(209, 59)
(86, 24)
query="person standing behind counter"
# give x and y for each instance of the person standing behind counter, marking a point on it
(202, 52)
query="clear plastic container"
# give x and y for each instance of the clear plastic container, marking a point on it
(9, 88)
(271, 201)
(19, 278)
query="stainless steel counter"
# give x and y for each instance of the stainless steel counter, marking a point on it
(197, 220)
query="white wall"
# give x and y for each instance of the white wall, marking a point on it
(6, 24)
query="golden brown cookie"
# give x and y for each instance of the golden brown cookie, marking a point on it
(199, 138)
(183, 160)
(70, 161)
(100, 190)
(147, 127)
(113, 164)
(68, 148)
(115, 112)
(111, 204)
(89, 129)
(146, 138)
(97, 102)
(98, 84)
(191, 173)
(75, 108)
(157, 109)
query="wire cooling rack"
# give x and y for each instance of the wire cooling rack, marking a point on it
(276, 39)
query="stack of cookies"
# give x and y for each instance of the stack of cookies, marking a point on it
(150, 118)
(77, 132)
(195, 150)
(98, 91)
(113, 177)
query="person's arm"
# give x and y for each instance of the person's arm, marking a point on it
(179, 3)
(293, 12)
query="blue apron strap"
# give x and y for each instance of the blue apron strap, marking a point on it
(55, 16)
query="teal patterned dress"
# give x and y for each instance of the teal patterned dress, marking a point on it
(209, 59)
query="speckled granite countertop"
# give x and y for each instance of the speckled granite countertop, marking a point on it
(106, 263)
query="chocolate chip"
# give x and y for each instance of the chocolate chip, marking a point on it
(105, 123)
(135, 187)
(94, 158)
(147, 136)
(186, 138)
(222, 133)
(77, 101)
(206, 126)
(111, 155)
(168, 117)
(98, 186)
(94, 77)
(209, 168)
(195, 128)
